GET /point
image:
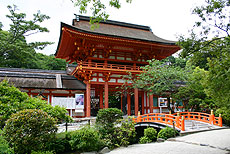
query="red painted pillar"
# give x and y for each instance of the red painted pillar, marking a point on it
(50, 97)
(142, 103)
(136, 101)
(129, 104)
(106, 95)
(88, 99)
(151, 103)
(121, 103)
(101, 99)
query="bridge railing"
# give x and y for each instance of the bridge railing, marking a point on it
(177, 119)
(168, 119)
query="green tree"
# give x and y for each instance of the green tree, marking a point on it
(98, 8)
(13, 100)
(161, 79)
(209, 43)
(14, 49)
(49, 62)
(29, 130)
(193, 94)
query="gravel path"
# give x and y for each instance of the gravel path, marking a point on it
(210, 142)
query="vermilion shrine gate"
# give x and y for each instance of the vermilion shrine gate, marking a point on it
(106, 53)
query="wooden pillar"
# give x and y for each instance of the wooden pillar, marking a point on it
(88, 99)
(101, 99)
(136, 101)
(106, 95)
(142, 103)
(121, 103)
(50, 97)
(129, 104)
(151, 103)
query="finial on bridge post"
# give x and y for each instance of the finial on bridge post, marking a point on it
(212, 112)
(178, 113)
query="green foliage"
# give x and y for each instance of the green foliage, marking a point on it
(166, 133)
(106, 120)
(29, 130)
(161, 79)
(42, 152)
(150, 135)
(193, 94)
(225, 114)
(13, 100)
(113, 129)
(144, 140)
(209, 47)
(49, 62)
(217, 81)
(98, 9)
(14, 49)
(123, 134)
(4, 145)
(60, 144)
(176, 62)
(85, 140)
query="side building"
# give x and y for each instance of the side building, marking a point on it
(54, 86)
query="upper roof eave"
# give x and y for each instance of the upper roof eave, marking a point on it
(107, 35)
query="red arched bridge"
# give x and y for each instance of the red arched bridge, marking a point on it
(180, 120)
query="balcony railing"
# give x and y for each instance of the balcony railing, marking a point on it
(111, 67)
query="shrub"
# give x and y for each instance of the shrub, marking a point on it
(4, 145)
(150, 133)
(42, 152)
(113, 129)
(13, 100)
(124, 134)
(106, 119)
(144, 140)
(60, 143)
(85, 140)
(29, 130)
(166, 133)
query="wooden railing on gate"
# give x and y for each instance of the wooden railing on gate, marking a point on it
(177, 119)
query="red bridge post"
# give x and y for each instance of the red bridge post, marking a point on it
(178, 119)
(220, 121)
(211, 118)
(182, 124)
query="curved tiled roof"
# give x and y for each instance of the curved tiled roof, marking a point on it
(120, 29)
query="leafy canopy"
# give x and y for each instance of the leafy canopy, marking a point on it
(16, 52)
(209, 48)
(161, 79)
(98, 8)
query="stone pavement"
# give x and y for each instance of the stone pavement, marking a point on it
(209, 142)
(192, 126)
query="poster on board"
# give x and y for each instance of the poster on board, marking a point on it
(79, 99)
(163, 102)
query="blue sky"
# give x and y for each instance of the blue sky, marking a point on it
(167, 18)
